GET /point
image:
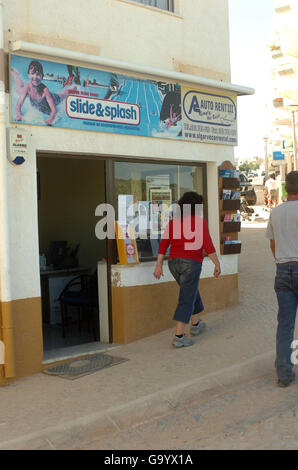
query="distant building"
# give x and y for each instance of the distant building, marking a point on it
(284, 54)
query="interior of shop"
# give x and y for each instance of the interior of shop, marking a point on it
(69, 190)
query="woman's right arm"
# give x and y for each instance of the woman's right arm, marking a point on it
(158, 272)
(215, 260)
(165, 242)
(210, 250)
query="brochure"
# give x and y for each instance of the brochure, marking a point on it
(235, 195)
(232, 218)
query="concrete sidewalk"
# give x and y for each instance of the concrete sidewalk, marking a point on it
(48, 412)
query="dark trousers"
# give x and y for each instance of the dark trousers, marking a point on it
(286, 288)
(187, 274)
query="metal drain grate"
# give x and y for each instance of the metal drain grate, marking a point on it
(84, 366)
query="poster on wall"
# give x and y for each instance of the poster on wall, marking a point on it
(209, 117)
(46, 93)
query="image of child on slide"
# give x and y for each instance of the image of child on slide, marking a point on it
(39, 95)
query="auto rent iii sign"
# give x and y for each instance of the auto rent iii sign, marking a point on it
(46, 93)
(209, 117)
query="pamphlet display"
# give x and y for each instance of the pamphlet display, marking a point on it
(229, 205)
(126, 243)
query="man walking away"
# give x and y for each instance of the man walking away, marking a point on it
(282, 230)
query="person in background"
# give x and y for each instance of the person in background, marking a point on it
(282, 230)
(188, 237)
(272, 188)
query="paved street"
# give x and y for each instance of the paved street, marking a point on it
(256, 415)
(251, 415)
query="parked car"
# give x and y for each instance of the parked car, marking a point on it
(247, 190)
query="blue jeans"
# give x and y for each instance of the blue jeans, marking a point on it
(286, 288)
(187, 274)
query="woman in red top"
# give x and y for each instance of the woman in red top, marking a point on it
(188, 237)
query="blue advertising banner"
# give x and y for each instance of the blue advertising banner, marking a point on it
(46, 93)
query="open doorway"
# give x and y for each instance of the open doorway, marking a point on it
(69, 190)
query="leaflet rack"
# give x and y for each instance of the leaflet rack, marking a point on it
(228, 229)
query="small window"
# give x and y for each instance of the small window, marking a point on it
(162, 4)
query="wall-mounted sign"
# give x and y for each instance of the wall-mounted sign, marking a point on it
(18, 145)
(47, 93)
(278, 155)
(209, 117)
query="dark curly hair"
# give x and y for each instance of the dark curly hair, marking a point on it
(191, 198)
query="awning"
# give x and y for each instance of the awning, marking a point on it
(94, 60)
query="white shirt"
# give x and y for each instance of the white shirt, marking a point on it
(283, 228)
(271, 184)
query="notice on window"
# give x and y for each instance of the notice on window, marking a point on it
(160, 208)
(157, 182)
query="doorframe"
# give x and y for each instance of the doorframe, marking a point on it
(110, 248)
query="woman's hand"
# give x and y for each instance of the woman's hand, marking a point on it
(215, 260)
(158, 268)
(217, 271)
(158, 272)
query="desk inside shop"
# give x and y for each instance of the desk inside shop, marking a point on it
(229, 205)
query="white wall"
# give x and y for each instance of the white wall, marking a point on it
(196, 37)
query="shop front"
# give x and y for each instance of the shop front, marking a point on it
(101, 137)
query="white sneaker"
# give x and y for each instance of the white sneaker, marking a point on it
(196, 330)
(183, 341)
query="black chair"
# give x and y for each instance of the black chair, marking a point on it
(81, 292)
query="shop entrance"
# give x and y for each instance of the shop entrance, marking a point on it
(69, 190)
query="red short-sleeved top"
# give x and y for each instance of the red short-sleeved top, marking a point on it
(188, 237)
